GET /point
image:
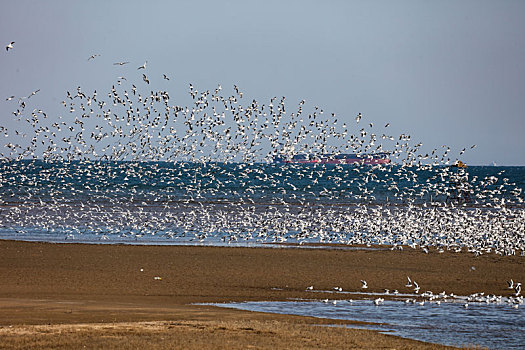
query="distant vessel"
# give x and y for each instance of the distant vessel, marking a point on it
(459, 164)
(336, 158)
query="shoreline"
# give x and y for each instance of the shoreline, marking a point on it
(67, 285)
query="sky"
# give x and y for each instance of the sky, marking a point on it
(445, 72)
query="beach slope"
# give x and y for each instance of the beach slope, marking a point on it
(129, 296)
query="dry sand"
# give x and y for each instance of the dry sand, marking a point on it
(107, 296)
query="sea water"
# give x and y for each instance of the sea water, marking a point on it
(240, 203)
(495, 325)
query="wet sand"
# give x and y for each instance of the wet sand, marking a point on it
(123, 296)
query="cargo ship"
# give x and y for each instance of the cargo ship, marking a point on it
(337, 158)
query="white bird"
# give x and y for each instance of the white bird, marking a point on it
(33, 93)
(416, 287)
(510, 284)
(310, 288)
(364, 285)
(9, 46)
(409, 283)
(143, 66)
(93, 56)
(120, 63)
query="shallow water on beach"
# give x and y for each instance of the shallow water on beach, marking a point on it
(495, 325)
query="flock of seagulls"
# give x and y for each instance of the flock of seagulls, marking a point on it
(215, 181)
(411, 295)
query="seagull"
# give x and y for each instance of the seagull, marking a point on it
(143, 66)
(358, 118)
(310, 288)
(33, 93)
(9, 46)
(93, 56)
(379, 301)
(120, 63)
(511, 284)
(416, 287)
(364, 285)
(409, 283)
(166, 77)
(145, 78)
(10, 98)
(517, 289)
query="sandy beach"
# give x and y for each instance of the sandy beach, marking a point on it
(124, 296)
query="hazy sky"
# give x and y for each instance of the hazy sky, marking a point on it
(446, 72)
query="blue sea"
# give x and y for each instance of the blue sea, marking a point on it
(479, 209)
(497, 325)
(241, 203)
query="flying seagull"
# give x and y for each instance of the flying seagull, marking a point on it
(93, 56)
(120, 63)
(9, 46)
(33, 93)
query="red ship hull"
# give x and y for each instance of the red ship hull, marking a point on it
(367, 159)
